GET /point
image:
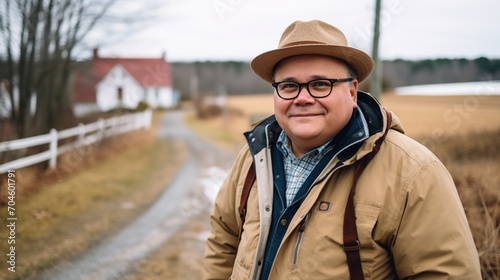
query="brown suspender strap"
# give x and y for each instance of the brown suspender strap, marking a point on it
(242, 209)
(351, 241)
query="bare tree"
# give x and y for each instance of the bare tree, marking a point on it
(39, 38)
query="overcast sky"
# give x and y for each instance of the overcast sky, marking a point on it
(191, 30)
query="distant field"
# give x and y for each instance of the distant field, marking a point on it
(449, 115)
(421, 115)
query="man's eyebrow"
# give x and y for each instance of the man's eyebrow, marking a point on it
(314, 77)
(288, 79)
(319, 77)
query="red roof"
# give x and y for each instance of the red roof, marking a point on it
(147, 72)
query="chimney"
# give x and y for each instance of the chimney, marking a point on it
(95, 53)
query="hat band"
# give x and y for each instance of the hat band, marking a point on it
(299, 43)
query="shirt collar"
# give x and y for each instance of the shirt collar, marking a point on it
(284, 146)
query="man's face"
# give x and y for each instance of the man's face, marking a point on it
(310, 122)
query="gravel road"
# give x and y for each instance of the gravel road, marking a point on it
(189, 193)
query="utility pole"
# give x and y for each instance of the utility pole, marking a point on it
(376, 77)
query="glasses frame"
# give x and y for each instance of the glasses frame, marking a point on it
(306, 85)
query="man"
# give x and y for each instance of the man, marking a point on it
(340, 192)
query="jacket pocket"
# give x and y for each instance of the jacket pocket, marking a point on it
(244, 258)
(239, 273)
(366, 219)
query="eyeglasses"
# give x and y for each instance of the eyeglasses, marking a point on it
(318, 88)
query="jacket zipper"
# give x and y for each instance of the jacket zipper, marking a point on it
(302, 227)
(303, 224)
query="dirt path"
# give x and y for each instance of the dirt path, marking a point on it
(186, 196)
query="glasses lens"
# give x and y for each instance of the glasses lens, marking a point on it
(288, 89)
(320, 88)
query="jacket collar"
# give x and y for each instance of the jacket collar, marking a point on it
(365, 121)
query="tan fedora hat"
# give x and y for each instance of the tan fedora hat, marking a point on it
(312, 37)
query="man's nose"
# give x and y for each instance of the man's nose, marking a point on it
(304, 94)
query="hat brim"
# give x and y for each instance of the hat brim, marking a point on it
(263, 65)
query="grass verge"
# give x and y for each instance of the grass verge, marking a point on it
(224, 132)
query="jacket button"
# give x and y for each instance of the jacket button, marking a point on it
(284, 222)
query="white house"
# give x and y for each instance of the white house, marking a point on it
(108, 83)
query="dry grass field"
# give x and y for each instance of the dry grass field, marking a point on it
(441, 116)
(463, 131)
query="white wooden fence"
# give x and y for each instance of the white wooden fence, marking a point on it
(85, 135)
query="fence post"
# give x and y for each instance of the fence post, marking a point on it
(53, 149)
(102, 128)
(81, 135)
(148, 119)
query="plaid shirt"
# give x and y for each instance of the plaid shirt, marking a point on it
(298, 169)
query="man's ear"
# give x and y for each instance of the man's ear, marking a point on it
(354, 92)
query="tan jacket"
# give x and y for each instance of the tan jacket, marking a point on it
(410, 220)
